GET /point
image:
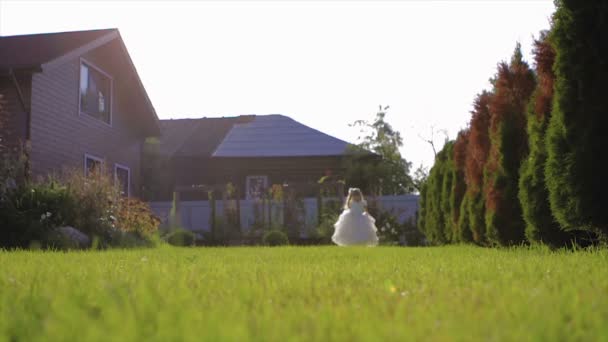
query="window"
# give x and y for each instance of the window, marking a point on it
(256, 186)
(122, 178)
(95, 93)
(92, 164)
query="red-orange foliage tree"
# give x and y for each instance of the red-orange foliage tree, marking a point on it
(513, 85)
(476, 156)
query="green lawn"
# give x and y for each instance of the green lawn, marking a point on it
(304, 293)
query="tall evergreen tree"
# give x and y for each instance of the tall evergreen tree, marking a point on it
(533, 193)
(461, 227)
(513, 86)
(477, 149)
(434, 222)
(446, 192)
(422, 208)
(579, 118)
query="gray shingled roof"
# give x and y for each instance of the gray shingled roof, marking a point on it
(195, 137)
(278, 136)
(246, 136)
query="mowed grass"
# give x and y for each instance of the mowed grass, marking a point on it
(304, 294)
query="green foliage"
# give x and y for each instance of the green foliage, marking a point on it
(180, 237)
(449, 169)
(433, 206)
(31, 212)
(386, 173)
(422, 208)
(576, 132)
(476, 211)
(465, 233)
(275, 238)
(541, 227)
(325, 229)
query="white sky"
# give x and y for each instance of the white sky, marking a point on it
(322, 63)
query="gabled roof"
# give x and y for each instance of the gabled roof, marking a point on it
(195, 137)
(278, 136)
(33, 50)
(246, 137)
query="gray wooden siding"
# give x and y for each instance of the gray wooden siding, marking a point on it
(14, 127)
(61, 135)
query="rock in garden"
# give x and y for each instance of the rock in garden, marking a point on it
(74, 235)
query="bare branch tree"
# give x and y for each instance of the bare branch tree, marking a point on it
(431, 140)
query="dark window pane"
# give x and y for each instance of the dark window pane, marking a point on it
(95, 93)
(122, 178)
(92, 166)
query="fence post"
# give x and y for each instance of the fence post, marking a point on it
(269, 201)
(238, 209)
(211, 196)
(175, 215)
(319, 207)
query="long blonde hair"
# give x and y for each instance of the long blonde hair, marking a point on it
(353, 192)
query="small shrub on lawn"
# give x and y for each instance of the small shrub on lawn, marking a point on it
(326, 228)
(181, 237)
(96, 203)
(275, 238)
(135, 217)
(30, 212)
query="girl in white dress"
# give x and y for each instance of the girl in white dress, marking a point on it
(355, 226)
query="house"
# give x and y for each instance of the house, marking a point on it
(250, 151)
(77, 99)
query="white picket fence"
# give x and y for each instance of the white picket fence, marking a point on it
(196, 215)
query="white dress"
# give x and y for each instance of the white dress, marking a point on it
(355, 227)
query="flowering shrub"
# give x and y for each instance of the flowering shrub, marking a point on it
(136, 217)
(95, 206)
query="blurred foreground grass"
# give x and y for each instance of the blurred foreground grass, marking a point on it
(455, 293)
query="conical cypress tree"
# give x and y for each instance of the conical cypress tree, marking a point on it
(513, 86)
(477, 154)
(422, 209)
(533, 193)
(579, 119)
(435, 217)
(465, 234)
(462, 229)
(446, 192)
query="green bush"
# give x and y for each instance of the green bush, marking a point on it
(325, 229)
(30, 213)
(181, 237)
(275, 238)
